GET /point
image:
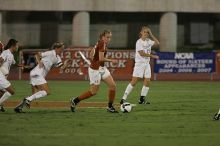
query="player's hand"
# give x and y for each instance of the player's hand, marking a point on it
(149, 32)
(156, 57)
(114, 61)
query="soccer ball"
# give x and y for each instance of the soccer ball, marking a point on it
(126, 107)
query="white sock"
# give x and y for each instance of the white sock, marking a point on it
(219, 111)
(144, 91)
(37, 95)
(4, 97)
(127, 91)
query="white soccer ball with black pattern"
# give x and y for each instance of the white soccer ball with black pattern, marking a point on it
(126, 107)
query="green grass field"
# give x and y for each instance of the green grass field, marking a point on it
(180, 114)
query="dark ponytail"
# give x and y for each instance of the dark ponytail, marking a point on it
(11, 43)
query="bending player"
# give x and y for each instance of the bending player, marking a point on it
(46, 61)
(6, 60)
(142, 67)
(98, 71)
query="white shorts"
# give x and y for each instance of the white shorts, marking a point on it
(142, 70)
(4, 83)
(95, 76)
(37, 76)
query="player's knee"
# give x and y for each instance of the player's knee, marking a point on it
(12, 92)
(133, 83)
(94, 92)
(147, 83)
(112, 87)
(48, 92)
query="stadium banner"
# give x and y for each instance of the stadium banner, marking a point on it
(170, 62)
(78, 70)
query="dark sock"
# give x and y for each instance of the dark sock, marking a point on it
(110, 104)
(76, 100)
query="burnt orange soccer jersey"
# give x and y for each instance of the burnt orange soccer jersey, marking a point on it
(99, 47)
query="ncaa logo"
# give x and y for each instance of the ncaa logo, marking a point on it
(184, 56)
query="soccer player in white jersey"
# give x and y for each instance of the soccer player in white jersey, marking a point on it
(1, 50)
(142, 67)
(46, 61)
(6, 60)
(217, 115)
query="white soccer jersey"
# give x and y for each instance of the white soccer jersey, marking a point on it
(144, 45)
(8, 58)
(50, 59)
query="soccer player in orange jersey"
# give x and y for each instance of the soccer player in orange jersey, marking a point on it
(97, 72)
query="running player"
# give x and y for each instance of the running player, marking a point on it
(46, 61)
(142, 67)
(1, 50)
(6, 60)
(97, 72)
(217, 115)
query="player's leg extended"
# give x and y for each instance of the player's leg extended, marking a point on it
(129, 89)
(39, 91)
(42, 90)
(19, 107)
(95, 79)
(9, 91)
(74, 101)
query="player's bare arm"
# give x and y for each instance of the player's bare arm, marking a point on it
(65, 64)
(102, 58)
(38, 59)
(92, 53)
(142, 53)
(156, 41)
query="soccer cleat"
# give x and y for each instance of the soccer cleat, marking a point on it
(2, 108)
(122, 101)
(111, 110)
(19, 107)
(18, 110)
(143, 101)
(216, 117)
(27, 103)
(72, 105)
